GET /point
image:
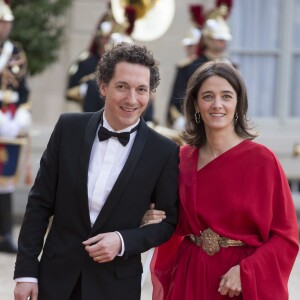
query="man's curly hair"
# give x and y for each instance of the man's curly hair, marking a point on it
(131, 53)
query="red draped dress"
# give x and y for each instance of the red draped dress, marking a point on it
(243, 195)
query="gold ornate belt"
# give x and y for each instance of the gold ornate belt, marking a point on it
(211, 242)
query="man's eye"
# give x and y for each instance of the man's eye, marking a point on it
(142, 90)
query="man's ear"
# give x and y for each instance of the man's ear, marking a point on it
(102, 89)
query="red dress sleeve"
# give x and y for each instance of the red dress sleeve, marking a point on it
(265, 273)
(161, 266)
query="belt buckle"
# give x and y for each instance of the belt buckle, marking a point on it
(210, 242)
(196, 240)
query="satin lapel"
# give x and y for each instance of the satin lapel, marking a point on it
(124, 176)
(89, 136)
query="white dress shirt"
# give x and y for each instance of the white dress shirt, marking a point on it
(106, 162)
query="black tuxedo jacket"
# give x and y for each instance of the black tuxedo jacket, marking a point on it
(60, 190)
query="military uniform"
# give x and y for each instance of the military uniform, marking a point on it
(15, 120)
(82, 86)
(184, 71)
(215, 29)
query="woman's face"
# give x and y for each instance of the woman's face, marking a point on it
(216, 103)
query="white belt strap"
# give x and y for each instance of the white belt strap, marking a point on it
(6, 53)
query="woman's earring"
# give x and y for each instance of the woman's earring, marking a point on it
(197, 117)
(236, 117)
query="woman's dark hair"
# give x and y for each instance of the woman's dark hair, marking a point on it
(131, 53)
(195, 133)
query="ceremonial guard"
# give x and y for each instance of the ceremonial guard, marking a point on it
(215, 35)
(81, 83)
(81, 86)
(15, 120)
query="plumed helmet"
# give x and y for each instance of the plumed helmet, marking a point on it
(105, 28)
(5, 12)
(212, 23)
(193, 37)
(117, 38)
(217, 29)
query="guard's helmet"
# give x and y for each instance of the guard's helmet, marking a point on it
(5, 12)
(192, 38)
(217, 29)
(104, 29)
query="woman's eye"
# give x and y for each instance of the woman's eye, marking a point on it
(226, 96)
(207, 97)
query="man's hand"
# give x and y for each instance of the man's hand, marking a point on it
(23, 290)
(231, 283)
(152, 216)
(103, 247)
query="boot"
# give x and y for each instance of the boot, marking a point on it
(6, 241)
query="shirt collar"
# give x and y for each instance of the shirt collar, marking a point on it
(107, 126)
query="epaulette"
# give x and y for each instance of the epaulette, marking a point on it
(73, 94)
(83, 55)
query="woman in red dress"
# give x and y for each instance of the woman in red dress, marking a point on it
(237, 234)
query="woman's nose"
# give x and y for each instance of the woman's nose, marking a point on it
(217, 103)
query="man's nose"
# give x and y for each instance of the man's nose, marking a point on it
(131, 97)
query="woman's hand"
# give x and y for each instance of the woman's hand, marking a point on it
(230, 284)
(152, 216)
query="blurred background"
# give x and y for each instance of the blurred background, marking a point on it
(264, 43)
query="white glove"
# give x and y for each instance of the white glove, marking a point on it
(179, 124)
(83, 89)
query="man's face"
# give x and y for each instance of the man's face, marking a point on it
(126, 95)
(216, 45)
(5, 28)
(191, 50)
(102, 41)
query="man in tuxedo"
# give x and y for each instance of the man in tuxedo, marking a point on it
(97, 177)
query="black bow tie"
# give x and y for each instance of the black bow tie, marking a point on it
(123, 137)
